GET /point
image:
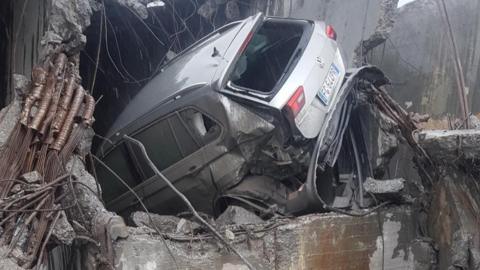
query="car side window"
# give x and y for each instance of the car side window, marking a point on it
(119, 161)
(175, 137)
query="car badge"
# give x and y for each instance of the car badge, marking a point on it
(320, 62)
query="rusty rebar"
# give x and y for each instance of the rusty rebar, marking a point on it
(69, 120)
(54, 73)
(65, 100)
(49, 116)
(39, 77)
(87, 117)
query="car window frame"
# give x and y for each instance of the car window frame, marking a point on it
(137, 166)
(308, 27)
(173, 113)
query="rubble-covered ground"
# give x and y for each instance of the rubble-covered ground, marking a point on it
(429, 177)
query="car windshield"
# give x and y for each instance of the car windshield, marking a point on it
(266, 58)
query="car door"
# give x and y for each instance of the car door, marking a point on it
(181, 145)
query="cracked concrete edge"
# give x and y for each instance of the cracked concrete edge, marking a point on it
(388, 10)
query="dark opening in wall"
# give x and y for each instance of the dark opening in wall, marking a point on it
(5, 41)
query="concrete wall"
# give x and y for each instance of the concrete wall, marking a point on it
(418, 56)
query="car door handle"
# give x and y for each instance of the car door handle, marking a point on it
(192, 168)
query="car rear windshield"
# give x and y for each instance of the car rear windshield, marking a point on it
(268, 55)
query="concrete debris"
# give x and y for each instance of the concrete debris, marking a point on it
(139, 7)
(67, 22)
(393, 190)
(232, 10)
(389, 186)
(63, 230)
(186, 227)
(85, 144)
(425, 254)
(450, 145)
(382, 31)
(207, 9)
(235, 215)
(32, 177)
(165, 224)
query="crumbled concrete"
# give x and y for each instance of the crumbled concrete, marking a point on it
(7, 263)
(165, 224)
(389, 186)
(31, 177)
(136, 6)
(67, 22)
(63, 230)
(235, 215)
(382, 31)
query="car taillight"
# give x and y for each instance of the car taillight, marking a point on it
(297, 101)
(245, 42)
(331, 32)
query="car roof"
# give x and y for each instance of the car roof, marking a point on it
(193, 67)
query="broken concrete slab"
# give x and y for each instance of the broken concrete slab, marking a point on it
(450, 145)
(329, 241)
(389, 186)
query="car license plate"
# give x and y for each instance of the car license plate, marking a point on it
(328, 86)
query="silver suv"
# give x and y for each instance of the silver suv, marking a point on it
(253, 114)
